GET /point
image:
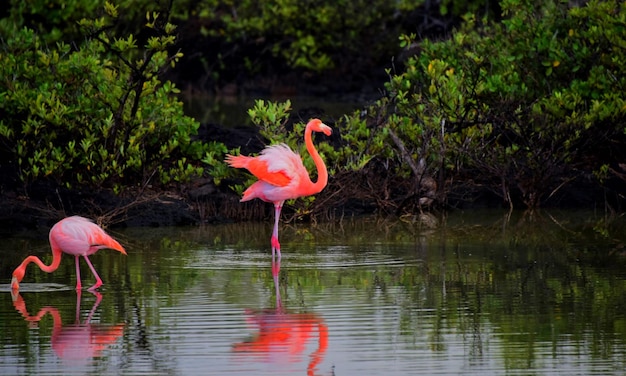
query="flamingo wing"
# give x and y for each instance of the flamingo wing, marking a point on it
(262, 170)
(70, 241)
(277, 165)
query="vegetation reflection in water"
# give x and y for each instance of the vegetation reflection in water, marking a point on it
(481, 294)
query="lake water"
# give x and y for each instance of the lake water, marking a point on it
(482, 294)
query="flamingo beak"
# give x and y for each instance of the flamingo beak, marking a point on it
(326, 129)
(15, 284)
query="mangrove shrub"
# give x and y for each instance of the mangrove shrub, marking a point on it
(523, 107)
(96, 113)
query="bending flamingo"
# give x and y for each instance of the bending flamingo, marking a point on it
(282, 175)
(76, 236)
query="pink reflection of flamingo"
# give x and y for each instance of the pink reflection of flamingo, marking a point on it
(76, 236)
(283, 333)
(78, 341)
(281, 174)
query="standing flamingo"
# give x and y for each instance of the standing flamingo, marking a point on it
(282, 175)
(75, 236)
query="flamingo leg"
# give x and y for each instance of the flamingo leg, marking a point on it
(78, 284)
(95, 274)
(275, 244)
(78, 297)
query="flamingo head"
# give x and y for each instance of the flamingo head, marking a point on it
(316, 125)
(18, 275)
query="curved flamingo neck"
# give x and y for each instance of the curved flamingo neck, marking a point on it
(56, 261)
(322, 173)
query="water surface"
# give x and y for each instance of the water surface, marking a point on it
(483, 293)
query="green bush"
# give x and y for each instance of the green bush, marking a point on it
(309, 36)
(261, 36)
(52, 21)
(519, 106)
(95, 114)
(244, 37)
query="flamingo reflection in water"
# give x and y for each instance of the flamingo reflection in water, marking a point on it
(282, 334)
(73, 342)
